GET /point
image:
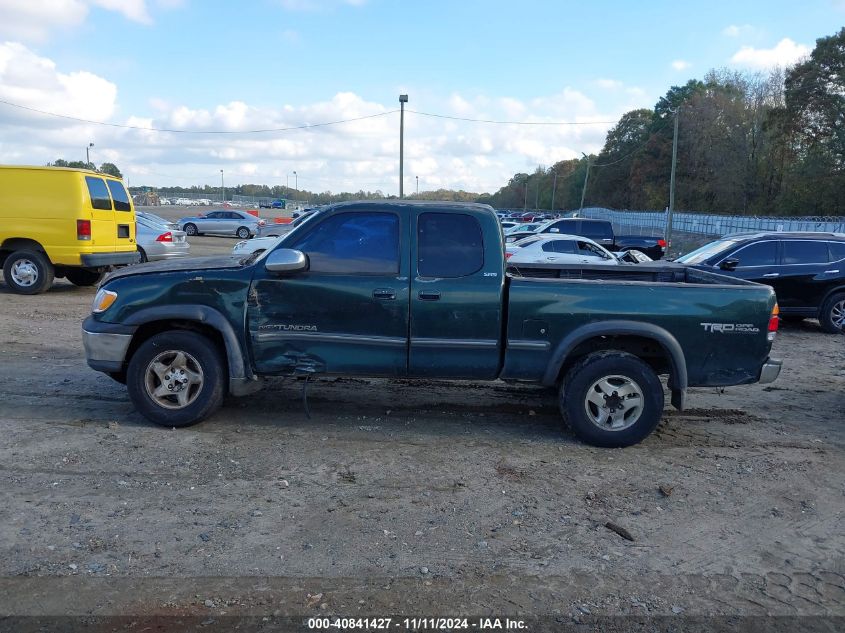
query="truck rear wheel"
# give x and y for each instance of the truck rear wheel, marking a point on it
(28, 272)
(82, 277)
(611, 399)
(176, 378)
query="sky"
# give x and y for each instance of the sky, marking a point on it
(324, 77)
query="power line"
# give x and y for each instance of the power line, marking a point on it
(175, 131)
(460, 118)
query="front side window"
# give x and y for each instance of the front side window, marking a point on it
(591, 250)
(99, 193)
(804, 252)
(353, 243)
(596, 230)
(759, 254)
(449, 245)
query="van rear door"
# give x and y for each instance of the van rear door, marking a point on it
(112, 224)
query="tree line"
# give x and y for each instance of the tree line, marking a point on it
(748, 144)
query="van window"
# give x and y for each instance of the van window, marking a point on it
(99, 193)
(119, 195)
(449, 245)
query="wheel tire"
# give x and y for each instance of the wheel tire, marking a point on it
(832, 315)
(83, 278)
(28, 272)
(191, 229)
(616, 369)
(200, 358)
(142, 255)
(243, 233)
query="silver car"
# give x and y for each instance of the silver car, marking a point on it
(158, 241)
(239, 223)
(276, 230)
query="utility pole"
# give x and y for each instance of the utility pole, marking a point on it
(554, 188)
(418, 185)
(525, 197)
(222, 187)
(295, 186)
(672, 185)
(403, 99)
(87, 155)
(586, 179)
(537, 196)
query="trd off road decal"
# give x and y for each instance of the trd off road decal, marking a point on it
(730, 328)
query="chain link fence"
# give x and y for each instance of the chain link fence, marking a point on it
(710, 225)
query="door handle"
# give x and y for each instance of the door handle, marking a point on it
(384, 293)
(551, 259)
(429, 295)
(830, 272)
(771, 275)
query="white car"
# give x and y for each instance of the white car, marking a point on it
(558, 248)
(524, 227)
(255, 245)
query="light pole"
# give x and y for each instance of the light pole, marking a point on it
(87, 154)
(525, 197)
(418, 184)
(554, 188)
(222, 187)
(295, 186)
(672, 186)
(403, 99)
(586, 178)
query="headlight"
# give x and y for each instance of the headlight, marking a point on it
(103, 300)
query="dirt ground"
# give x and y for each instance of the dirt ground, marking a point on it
(411, 497)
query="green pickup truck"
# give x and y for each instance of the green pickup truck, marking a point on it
(410, 289)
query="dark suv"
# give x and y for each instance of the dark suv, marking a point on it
(807, 270)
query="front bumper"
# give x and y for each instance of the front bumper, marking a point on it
(770, 371)
(106, 344)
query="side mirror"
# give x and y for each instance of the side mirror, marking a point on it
(286, 260)
(729, 264)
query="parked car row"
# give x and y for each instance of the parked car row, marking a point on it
(239, 223)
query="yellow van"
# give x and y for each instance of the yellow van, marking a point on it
(60, 222)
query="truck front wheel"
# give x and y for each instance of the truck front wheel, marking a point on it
(176, 378)
(611, 399)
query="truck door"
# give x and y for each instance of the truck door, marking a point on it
(456, 296)
(348, 313)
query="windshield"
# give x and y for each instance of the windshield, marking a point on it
(707, 251)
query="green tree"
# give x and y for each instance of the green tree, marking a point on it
(110, 169)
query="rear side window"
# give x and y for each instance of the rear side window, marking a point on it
(559, 246)
(99, 193)
(837, 251)
(354, 243)
(564, 226)
(596, 230)
(759, 254)
(804, 252)
(449, 245)
(119, 195)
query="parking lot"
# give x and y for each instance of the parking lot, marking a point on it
(413, 497)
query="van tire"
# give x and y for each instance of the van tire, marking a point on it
(596, 378)
(83, 278)
(28, 272)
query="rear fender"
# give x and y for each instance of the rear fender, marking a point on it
(678, 379)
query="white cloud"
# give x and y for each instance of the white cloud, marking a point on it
(609, 84)
(680, 64)
(30, 80)
(35, 20)
(784, 53)
(346, 157)
(737, 30)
